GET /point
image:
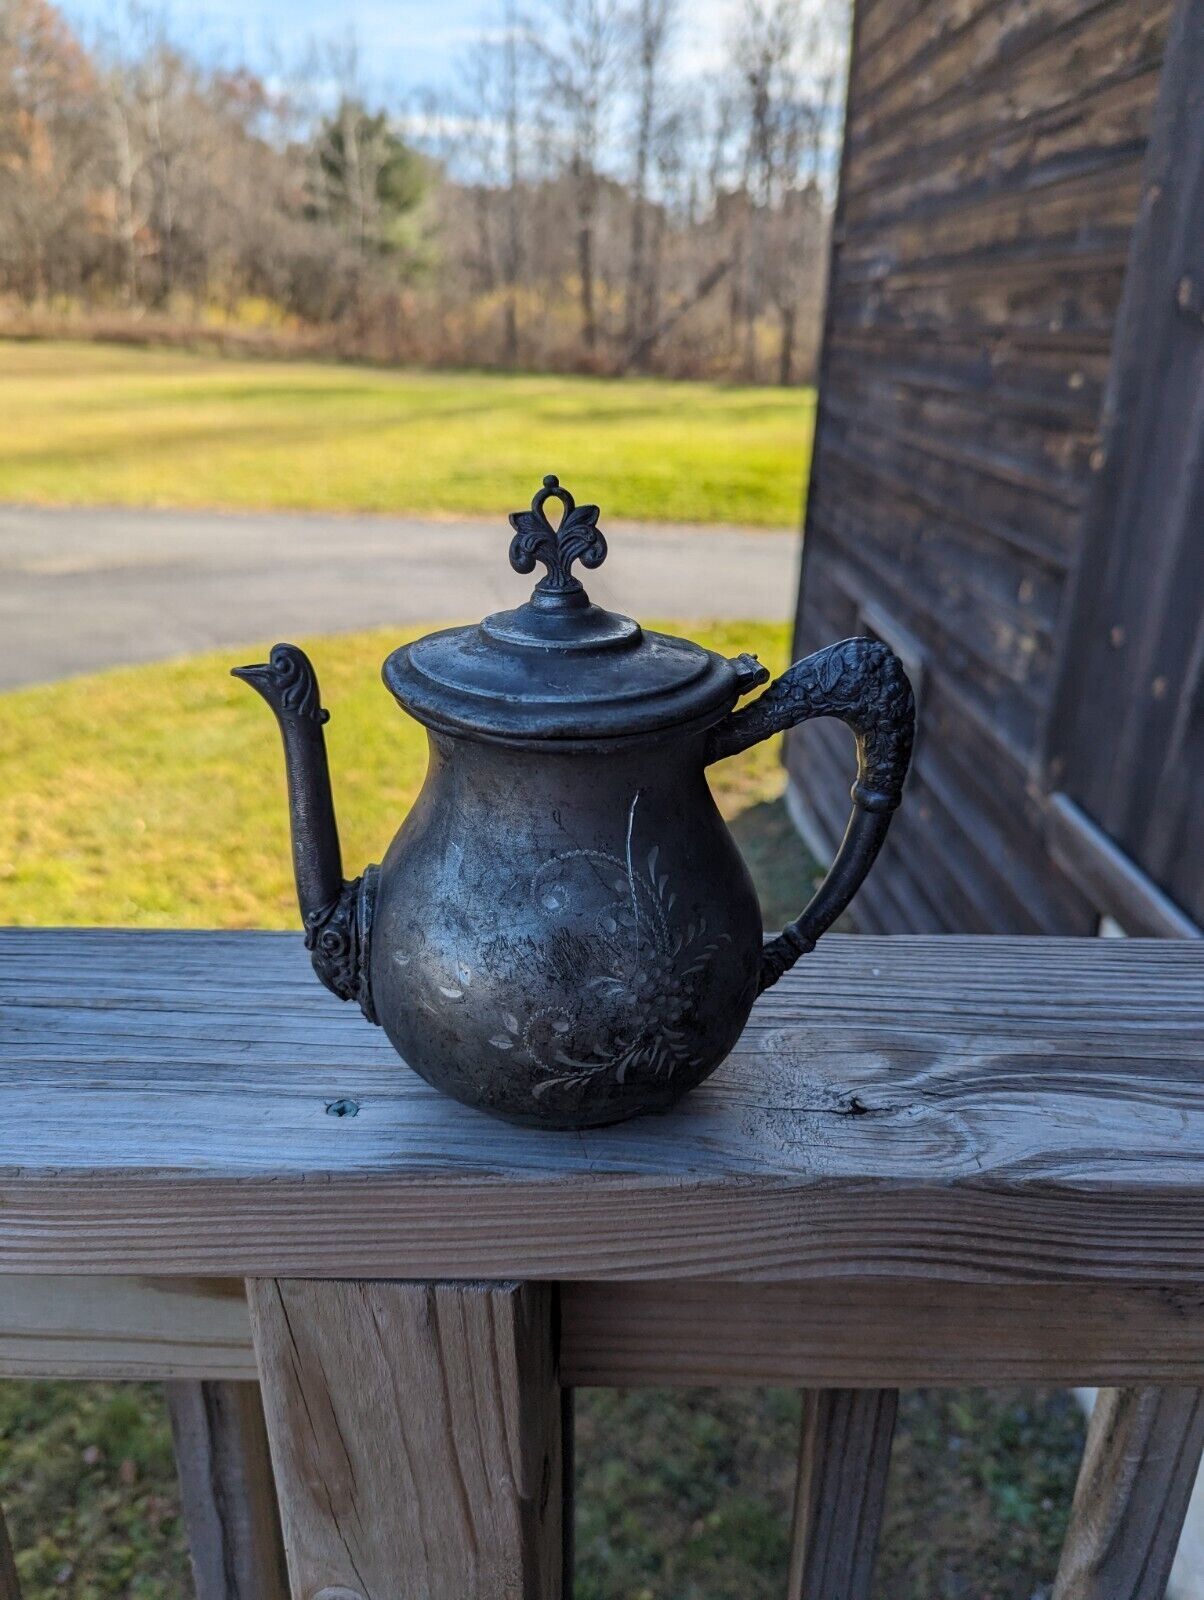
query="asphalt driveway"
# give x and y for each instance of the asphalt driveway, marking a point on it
(82, 589)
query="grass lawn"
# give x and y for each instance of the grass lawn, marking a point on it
(86, 424)
(681, 1495)
(155, 796)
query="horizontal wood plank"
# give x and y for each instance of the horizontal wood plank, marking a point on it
(115, 1327)
(952, 1109)
(679, 1334)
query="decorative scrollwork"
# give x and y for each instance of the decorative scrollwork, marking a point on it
(862, 682)
(578, 538)
(337, 937)
(287, 682)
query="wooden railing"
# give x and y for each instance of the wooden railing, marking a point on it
(929, 1161)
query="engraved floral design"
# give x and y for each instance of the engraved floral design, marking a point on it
(649, 971)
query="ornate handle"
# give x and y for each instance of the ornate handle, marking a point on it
(863, 683)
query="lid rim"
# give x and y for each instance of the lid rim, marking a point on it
(708, 694)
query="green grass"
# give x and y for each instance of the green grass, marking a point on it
(154, 796)
(680, 1496)
(110, 425)
(88, 1485)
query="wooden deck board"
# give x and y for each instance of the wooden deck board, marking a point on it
(974, 1110)
(835, 1334)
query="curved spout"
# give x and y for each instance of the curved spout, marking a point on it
(337, 915)
(289, 685)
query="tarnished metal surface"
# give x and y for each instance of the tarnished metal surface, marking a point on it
(563, 932)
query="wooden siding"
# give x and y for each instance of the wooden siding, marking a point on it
(1126, 735)
(990, 180)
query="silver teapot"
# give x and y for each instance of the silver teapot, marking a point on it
(563, 932)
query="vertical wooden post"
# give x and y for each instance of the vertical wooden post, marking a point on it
(10, 1587)
(1139, 1465)
(416, 1432)
(568, 1493)
(844, 1458)
(227, 1491)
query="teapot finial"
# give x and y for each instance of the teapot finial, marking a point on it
(578, 538)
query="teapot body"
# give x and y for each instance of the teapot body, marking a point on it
(564, 933)
(565, 937)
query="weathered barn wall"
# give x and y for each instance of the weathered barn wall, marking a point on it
(989, 184)
(1125, 740)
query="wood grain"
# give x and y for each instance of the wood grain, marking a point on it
(976, 1111)
(837, 1334)
(990, 180)
(875, 1334)
(1139, 1466)
(416, 1435)
(844, 1460)
(114, 1327)
(1109, 878)
(1125, 734)
(10, 1584)
(226, 1491)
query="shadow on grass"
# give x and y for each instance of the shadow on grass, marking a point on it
(783, 870)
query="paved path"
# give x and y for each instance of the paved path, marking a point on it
(85, 589)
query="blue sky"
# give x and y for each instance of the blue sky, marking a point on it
(404, 45)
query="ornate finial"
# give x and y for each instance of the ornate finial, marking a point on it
(576, 539)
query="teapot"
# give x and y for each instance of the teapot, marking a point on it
(563, 933)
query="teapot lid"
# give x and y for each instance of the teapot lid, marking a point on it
(560, 667)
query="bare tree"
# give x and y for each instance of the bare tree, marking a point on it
(651, 36)
(496, 122)
(513, 52)
(123, 128)
(785, 56)
(48, 151)
(591, 205)
(584, 62)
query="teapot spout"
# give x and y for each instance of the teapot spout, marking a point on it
(337, 915)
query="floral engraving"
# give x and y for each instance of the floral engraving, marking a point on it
(647, 972)
(862, 682)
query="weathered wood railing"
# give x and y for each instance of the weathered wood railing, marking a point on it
(929, 1161)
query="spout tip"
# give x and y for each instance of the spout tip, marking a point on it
(285, 663)
(286, 681)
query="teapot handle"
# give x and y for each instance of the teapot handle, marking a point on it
(862, 682)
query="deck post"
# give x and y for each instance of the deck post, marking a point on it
(1139, 1466)
(416, 1434)
(844, 1458)
(226, 1489)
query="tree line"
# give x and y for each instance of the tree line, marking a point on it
(580, 200)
